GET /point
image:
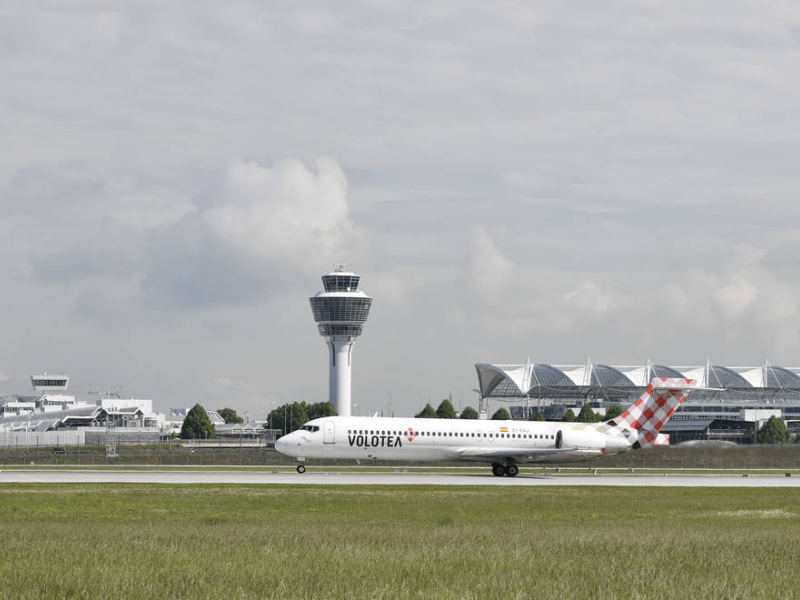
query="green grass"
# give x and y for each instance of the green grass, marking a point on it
(237, 541)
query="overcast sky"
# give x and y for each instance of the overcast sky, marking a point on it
(558, 180)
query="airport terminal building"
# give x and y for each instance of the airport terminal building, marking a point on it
(751, 394)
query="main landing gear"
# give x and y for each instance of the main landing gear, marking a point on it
(510, 470)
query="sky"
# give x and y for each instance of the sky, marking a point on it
(558, 181)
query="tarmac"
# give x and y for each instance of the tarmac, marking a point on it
(349, 478)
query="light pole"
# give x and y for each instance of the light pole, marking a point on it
(355, 406)
(482, 411)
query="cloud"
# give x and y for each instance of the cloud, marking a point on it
(287, 213)
(263, 225)
(268, 224)
(113, 252)
(489, 272)
(734, 297)
(590, 298)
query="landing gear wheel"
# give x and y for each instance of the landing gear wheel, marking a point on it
(301, 469)
(498, 470)
(512, 470)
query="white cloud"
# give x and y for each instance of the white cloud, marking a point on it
(734, 297)
(489, 272)
(590, 298)
(286, 214)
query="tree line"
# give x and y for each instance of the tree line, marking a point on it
(446, 411)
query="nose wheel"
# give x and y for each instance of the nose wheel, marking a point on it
(301, 469)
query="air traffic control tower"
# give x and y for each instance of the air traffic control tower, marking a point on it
(340, 312)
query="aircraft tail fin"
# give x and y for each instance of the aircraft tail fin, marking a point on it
(654, 408)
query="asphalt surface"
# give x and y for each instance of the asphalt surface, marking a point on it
(329, 478)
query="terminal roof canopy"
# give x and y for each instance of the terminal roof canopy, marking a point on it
(544, 375)
(535, 380)
(605, 375)
(780, 378)
(724, 377)
(663, 371)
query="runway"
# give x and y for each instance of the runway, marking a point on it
(349, 478)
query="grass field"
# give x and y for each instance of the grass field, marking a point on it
(145, 541)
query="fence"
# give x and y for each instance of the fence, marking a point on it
(40, 439)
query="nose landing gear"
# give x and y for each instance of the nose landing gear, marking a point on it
(301, 469)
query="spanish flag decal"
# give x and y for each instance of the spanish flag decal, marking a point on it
(503, 429)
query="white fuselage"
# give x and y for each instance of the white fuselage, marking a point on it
(379, 438)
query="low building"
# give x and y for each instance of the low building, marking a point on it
(721, 430)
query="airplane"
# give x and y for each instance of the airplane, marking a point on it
(503, 444)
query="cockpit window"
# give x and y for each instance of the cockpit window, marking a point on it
(310, 428)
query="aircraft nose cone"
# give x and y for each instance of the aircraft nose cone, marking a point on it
(280, 445)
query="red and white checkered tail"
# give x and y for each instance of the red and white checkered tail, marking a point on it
(654, 408)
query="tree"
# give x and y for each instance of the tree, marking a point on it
(319, 410)
(569, 416)
(197, 425)
(230, 415)
(427, 413)
(469, 413)
(586, 415)
(288, 417)
(536, 416)
(773, 432)
(501, 415)
(612, 412)
(446, 410)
